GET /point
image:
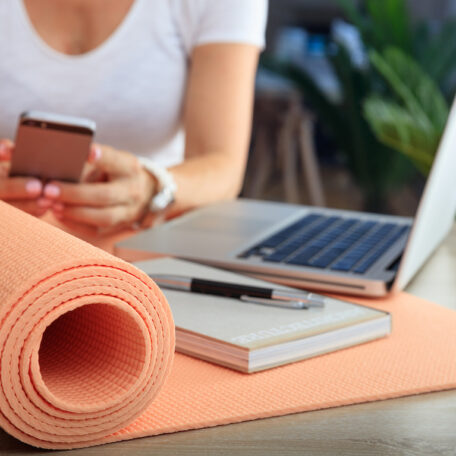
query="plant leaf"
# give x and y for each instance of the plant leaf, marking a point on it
(350, 9)
(398, 128)
(390, 24)
(419, 93)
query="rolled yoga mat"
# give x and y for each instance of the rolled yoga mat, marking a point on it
(86, 339)
(87, 342)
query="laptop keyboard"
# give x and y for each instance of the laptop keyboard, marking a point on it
(329, 242)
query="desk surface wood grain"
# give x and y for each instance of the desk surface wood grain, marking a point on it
(417, 425)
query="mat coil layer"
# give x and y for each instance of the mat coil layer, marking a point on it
(86, 339)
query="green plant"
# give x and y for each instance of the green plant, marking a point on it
(385, 23)
(376, 168)
(391, 105)
(388, 23)
(418, 67)
(413, 122)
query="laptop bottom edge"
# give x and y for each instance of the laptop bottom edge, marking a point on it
(371, 289)
(366, 287)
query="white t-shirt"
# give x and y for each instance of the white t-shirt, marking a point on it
(133, 84)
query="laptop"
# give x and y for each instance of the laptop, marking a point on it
(310, 247)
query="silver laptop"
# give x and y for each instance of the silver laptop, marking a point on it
(311, 247)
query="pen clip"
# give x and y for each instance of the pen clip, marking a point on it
(289, 304)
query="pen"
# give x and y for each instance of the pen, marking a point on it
(246, 293)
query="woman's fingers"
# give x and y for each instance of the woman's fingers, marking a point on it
(4, 169)
(21, 192)
(92, 174)
(119, 201)
(120, 191)
(32, 207)
(100, 217)
(114, 162)
(17, 188)
(6, 148)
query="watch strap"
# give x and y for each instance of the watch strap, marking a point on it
(166, 185)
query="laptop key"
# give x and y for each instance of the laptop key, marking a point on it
(325, 260)
(343, 266)
(303, 257)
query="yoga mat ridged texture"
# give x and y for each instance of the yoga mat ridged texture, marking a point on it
(86, 339)
(94, 376)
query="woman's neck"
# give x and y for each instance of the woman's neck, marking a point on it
(76, 26)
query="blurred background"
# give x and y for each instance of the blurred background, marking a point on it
(351, 102)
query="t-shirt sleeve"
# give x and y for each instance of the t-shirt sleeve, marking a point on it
(223, 21)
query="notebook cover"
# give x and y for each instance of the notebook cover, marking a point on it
(209, 327)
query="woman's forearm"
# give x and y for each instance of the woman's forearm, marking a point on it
(217, 118)
(206, 179)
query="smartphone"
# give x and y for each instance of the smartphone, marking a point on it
(51, 146)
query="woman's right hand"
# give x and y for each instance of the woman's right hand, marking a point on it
(25, 193)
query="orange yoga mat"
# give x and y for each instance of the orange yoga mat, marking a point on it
(87, 345)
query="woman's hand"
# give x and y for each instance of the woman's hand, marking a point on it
(120, 199)
(25, 193)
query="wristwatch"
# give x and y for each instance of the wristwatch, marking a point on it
(166, 185)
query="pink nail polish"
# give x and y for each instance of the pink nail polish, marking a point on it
(95, 154)
(33, 187)
(51, 191)
(5, 152)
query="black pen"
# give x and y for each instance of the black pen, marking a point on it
(246, 293)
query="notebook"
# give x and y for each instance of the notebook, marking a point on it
(252, 337)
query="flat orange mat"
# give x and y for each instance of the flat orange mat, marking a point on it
(87, 347)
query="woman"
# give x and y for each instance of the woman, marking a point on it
(146, 71)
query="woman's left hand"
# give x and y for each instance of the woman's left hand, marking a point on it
(120, 199)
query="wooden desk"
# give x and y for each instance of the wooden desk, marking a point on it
(417, 425)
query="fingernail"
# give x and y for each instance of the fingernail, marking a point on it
(33, 186)
(4, 152)
(95, 154)
(51, 191)
(57, 207)
(44, 203)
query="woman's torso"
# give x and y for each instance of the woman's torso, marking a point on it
(132, 83)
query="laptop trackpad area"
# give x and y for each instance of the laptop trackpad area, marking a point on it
(217, 237)
(223, 230)
(240, 228)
